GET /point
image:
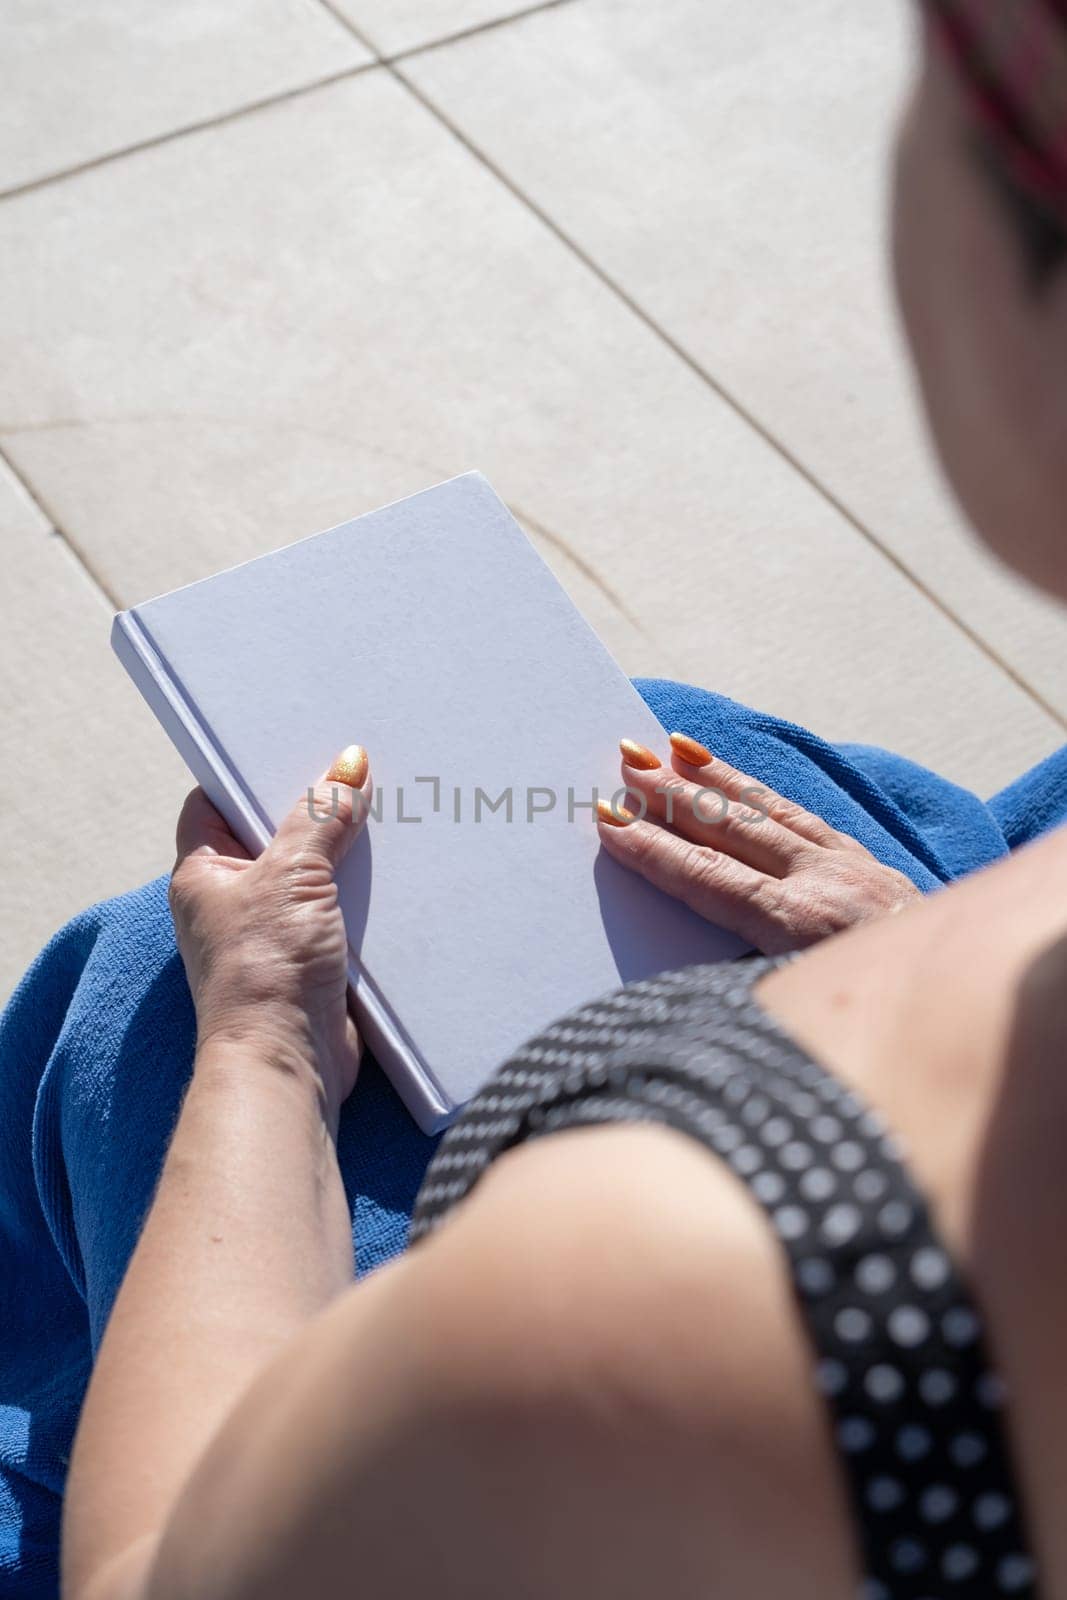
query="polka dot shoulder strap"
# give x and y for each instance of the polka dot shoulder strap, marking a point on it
(899, 1352)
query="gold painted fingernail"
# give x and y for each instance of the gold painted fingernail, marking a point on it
(691, 752)
(351, 767)
(635, 755)
(619, 818)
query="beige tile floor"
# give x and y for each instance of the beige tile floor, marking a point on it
(267, 263)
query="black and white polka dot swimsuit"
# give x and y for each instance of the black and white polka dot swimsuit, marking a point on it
(899, 1350)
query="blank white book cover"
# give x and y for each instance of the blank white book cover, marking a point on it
(432, 633)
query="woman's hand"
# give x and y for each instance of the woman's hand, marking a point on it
(741, 855)
(263, 941)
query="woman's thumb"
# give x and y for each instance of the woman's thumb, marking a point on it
(325, 821)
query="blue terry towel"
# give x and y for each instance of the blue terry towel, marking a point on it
(97, 1044)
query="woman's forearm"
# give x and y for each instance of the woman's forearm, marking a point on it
(248, 1237)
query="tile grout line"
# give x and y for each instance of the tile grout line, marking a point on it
(248, 109)
(387, 60)
(737, 406)
(469, 33)
(350, 28)
(56, 530)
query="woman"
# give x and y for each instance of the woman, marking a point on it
(729, 1335)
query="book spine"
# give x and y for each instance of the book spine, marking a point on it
(401, 1062)
(206, 761)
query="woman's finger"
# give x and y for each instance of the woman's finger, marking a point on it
(708, 815)
(717, 887)
(689, 758)
(202, 831)
(324, 822)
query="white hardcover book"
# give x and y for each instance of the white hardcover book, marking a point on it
(478, 903)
